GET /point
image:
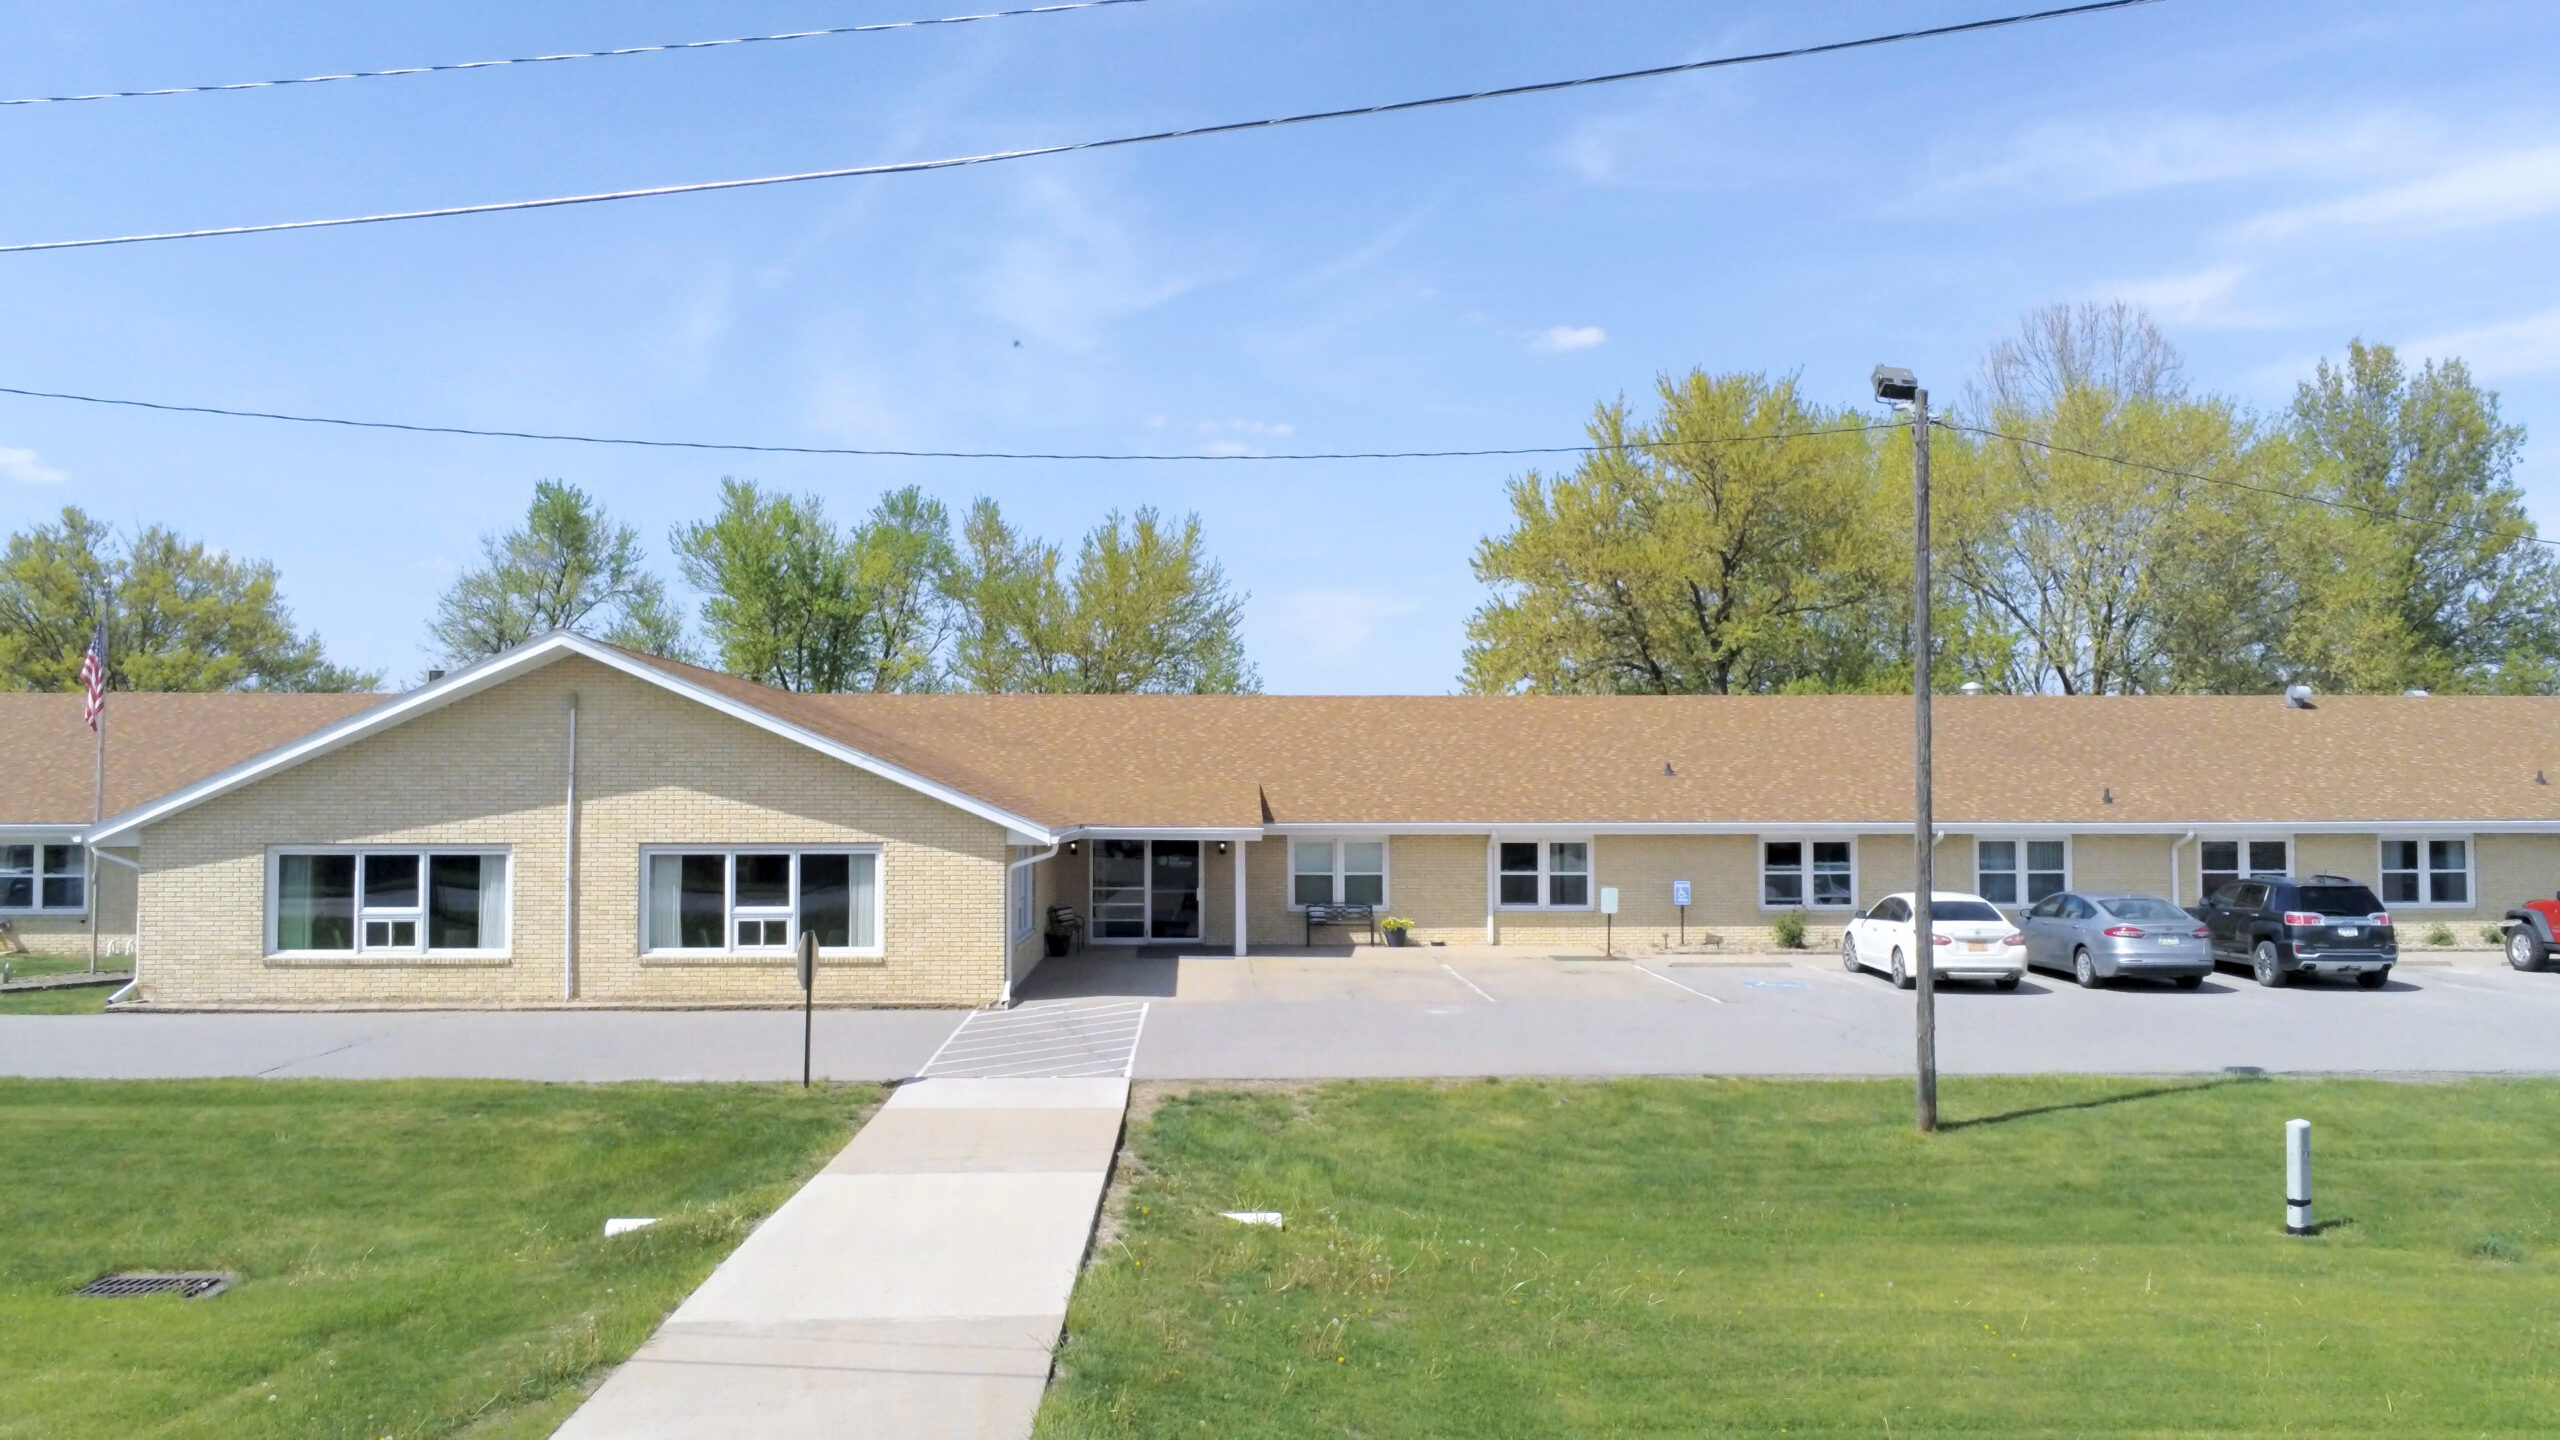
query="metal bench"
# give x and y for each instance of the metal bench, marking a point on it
(1064, 918)
(1345, 915)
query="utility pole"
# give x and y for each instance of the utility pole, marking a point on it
(1899, 385)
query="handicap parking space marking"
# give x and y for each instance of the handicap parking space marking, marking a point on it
(1470, 984)
(1055, 1039)
(1676, 985)
(1773, 984)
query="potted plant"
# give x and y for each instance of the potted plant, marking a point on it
(1054, 941)
(1398, 930)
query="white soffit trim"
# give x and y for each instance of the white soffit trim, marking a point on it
(498, 669)
(1163, 832)
(2210, 830)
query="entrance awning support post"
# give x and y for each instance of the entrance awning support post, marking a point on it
(1240, 847)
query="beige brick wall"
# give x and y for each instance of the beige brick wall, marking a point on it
(61, 934)
(654, 769)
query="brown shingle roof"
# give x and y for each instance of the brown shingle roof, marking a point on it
(1220, 760)
(156, 743)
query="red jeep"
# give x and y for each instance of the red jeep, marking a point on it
(2530, 933)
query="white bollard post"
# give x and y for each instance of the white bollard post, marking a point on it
(2297, 1177)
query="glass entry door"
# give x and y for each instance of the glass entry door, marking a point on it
(1173, 881)
(1146, 890)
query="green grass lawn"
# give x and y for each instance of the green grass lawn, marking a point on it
(76, 1000)
(30, 967)
(417, 1259)
(1684, 1258)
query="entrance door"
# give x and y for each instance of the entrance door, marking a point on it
(1146, 890)
(1120, 890)
(1173, 906)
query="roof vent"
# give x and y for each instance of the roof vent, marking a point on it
(434, 675)
(1666, 768)
(1970, 687)
(2298, 697)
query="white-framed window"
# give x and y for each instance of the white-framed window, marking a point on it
(2423, 872)
(1808, 874)
(2020, 872)
(1543, 874)
(1018, 901)
(2219, 862)
(1337, 872)
(364, 901)
(39, 877)
(751, 901)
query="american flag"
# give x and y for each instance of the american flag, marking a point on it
(93, 674)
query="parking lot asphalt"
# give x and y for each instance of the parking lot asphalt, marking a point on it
(1461, 1013)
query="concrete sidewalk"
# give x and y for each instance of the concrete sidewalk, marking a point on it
(912, 1291)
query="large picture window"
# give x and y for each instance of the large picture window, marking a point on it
(2020, 872)
(1544, 875)
(2426, 872)
(2222, 861)
(44, 877)
(1807, 874)
(1337, 872)
(758, 901)
(388, 902)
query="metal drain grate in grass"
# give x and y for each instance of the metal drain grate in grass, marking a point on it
(189, 1286)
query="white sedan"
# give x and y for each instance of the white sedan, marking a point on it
(1974, 941)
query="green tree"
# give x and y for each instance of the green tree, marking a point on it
(796, 602)
(1144, 611)
(569, 566)
(1724, 547)
(2460, 595)
(180, 616)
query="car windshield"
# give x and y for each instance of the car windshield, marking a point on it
(2143, 907)
(1962, 910)
(2340, 900)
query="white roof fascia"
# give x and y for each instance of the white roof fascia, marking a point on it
(2210, 830)
(1162, 832)
(121, 829)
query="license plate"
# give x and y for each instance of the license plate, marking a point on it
(2348, 932)
(2172, 940)
(1977, 944)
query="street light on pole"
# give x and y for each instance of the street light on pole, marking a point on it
(1900, 387)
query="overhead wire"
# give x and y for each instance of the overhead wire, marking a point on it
(1173, 457)
(907, 167)
(572, 55)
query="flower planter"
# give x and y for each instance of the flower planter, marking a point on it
(1399, 938)
(1055, 943)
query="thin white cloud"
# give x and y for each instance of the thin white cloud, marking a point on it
(2096, 156)
(1568, 337)
(1074, 265)
(2529, 345)
(2489, 190)
(2195, 297)
(1331, 625)
(28, 468)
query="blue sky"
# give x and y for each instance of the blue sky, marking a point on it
(2270, 178)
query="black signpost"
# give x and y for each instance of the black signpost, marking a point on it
(808, 962)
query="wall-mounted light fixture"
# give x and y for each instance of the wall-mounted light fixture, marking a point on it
(1222, 847)
(1071, 846)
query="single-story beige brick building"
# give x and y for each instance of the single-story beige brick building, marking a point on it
(570, 823)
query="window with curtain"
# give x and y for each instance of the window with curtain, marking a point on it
(44, 877)
(2219, 862)
(2020, 872)
(1337, 872)
(759, 901)
(1543, 875)
(1814, 874)
(2426, 872)
(389, 902)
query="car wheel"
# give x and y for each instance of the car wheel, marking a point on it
(2009, 982)
(2190, 982)
(1902, 979)
(1849, 954)
(2085, 969)
(2263, 961)
(2524, 949)
(2374, 979)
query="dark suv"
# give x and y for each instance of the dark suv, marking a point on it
(2319, 925)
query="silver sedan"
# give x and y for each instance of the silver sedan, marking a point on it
(2097, 938)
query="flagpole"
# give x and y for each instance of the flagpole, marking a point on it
(97, 800)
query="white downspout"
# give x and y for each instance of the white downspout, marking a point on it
(2174, 847)
(569, 867)
(136, 867)
(1492, 889)
(1009, 941)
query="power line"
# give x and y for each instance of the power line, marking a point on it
(935, 454)
(906, 167)
(572, 55)
(2377, 512)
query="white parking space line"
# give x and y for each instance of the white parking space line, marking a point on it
(1676, 985)
(1055, 1040)
(1470, 984)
